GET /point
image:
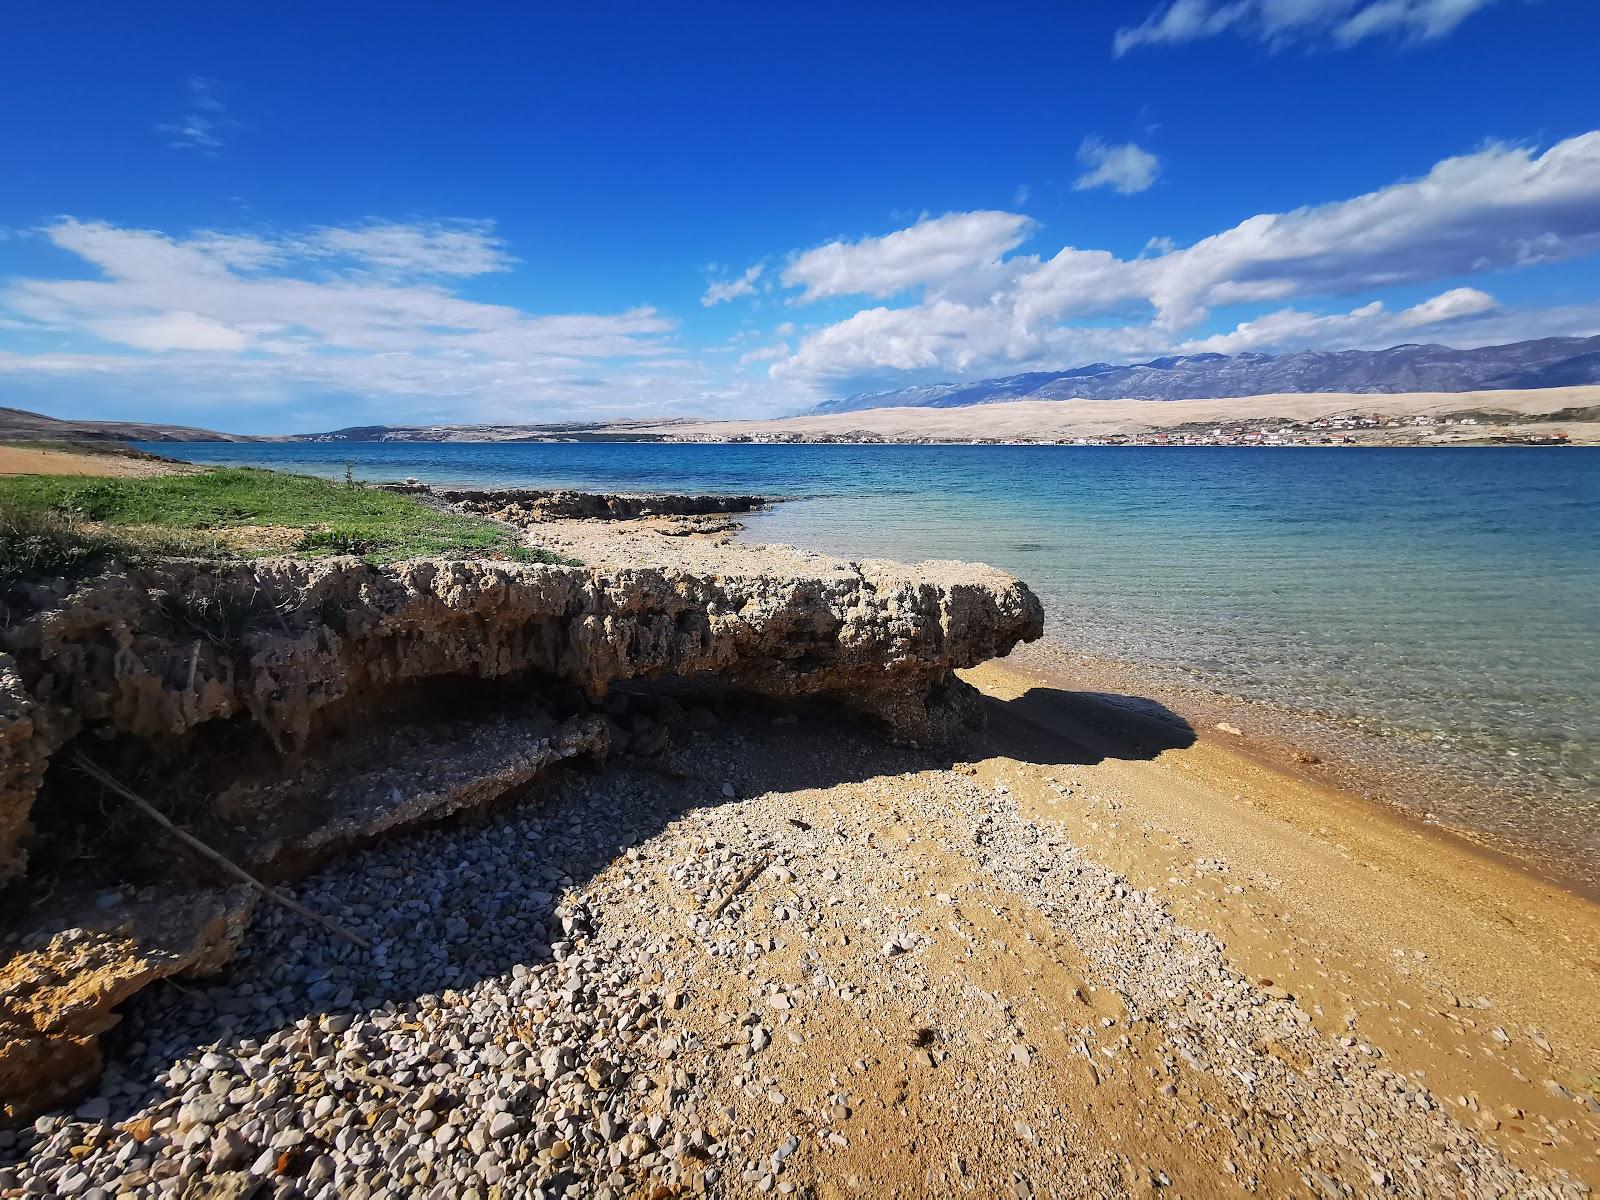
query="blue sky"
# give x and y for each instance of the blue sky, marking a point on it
(289, 217)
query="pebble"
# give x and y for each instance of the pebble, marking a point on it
(521, 1026)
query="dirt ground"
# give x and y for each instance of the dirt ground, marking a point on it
(23, 460)
(1038, 1035)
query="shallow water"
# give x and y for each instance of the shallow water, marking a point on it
(1443, 599)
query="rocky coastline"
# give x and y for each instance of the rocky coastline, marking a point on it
(291, 709)
(694, 870)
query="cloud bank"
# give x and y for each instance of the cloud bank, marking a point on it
(363, 310)
(377, 317)
(975, 308)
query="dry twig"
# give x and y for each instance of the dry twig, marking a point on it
(213, 856)
(744, 882)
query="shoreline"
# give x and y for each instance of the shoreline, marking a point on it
(1086, 949)
(1366, 768)
(1353, 884)
(1374, 769)
(1280, 758)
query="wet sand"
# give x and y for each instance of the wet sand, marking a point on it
(1423, 942)
(1414, 782)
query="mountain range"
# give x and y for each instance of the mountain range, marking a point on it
(1546, 362)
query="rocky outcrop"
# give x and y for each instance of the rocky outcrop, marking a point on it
(24, 753)
(285, 710)
(289, 646)
(394, 781)
(525, 506)
(60, 985)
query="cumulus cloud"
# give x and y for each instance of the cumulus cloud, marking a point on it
(205, 122)
(1449, 306)
(1339, 22)
(1125, 168)
(732, 289)
(934, 250)
(1501, 207)
(1370, 324)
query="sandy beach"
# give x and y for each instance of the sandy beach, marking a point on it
(31, 460)
(1085, 951)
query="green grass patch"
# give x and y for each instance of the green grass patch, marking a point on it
(243, 511)
(42, 543)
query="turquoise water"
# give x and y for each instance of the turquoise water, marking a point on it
(1444, 599)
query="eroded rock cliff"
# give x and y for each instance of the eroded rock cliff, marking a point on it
(154, 653)
(286, 709)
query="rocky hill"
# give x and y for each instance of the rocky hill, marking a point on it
(18, 424)
(1547, 362)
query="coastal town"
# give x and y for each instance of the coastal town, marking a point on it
(1352, 430)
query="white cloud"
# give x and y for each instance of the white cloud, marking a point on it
(205, 122)
(276, 293)
(1449, 306)
(933, 250)
(1342, 22)
(1370, 324)
(1502, 207)
(259, 318)
(1421, 20)
(731, 289)
(441, 248)
(171, 331)
(1125, 168)
(764, 354)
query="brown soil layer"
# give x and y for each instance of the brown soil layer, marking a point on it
(21, 460)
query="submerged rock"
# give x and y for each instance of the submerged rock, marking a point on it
(523, 506)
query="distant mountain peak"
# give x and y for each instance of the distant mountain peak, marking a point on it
(1413, 367)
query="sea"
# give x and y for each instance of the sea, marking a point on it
(1435, 610)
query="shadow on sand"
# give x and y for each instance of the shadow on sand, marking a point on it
(480, 893)
(1052, 727)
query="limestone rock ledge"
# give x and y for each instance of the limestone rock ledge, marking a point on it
(154, 653)
(266, 704)
(60, 987)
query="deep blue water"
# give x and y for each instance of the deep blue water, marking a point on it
(1440, 597)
